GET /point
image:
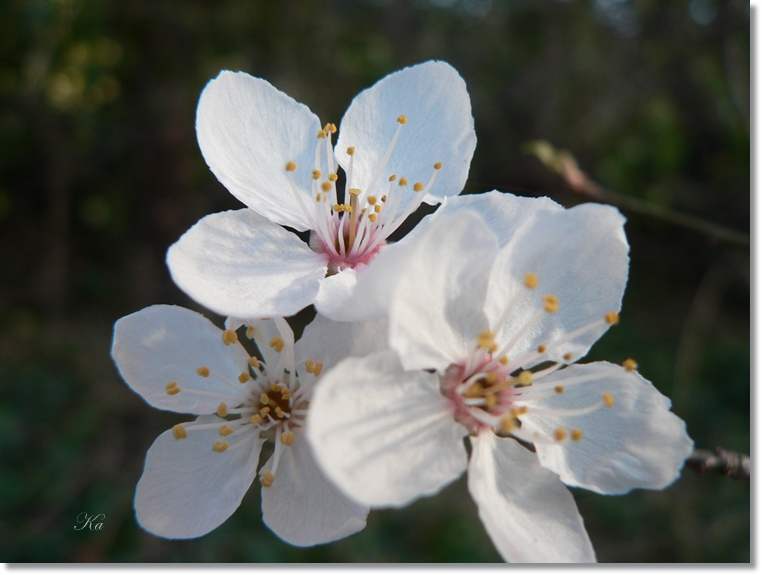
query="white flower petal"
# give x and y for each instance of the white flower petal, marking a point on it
(580, 256)
(329, 342)
(383, 435)
(335, 291)
(161, 344)
(371, 294)
(239, 263)
(436, 311)
(636, 443)
(302, 506)
(527, 512)
(502, 212)
(187, 489)
(248, 130)
(439, 128)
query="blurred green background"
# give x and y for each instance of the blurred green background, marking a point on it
(100, 172)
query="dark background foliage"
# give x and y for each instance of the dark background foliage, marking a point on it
(100, 172)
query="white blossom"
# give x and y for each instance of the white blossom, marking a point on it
(485, 329)
(408, 139)
(197, 473)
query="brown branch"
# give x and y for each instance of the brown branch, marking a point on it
(720, 461)
(565, 165)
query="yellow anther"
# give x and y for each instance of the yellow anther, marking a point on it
(264, 399)
(438, 166)
(373, 217)
(377, 208)
(179, 431)
(485, 339)
(290, 166)
(322, 134)
(612, 318)
(559, 434)
(286, 394)
(402, 120)
(274, 387)
(550, 303)
(383, 198)
(279, 412)
(559, 389)
(630, 364)
(491, 400)
(523, 409)
(287, 438)
(490, 377)
(392, 178)
(222, 410)
(576, 434)
(172, 388)
(608, 399)
(229, 336)
(309, 365)
(351, 151)
(525, 377)
(220, 446)
(325, 186)
(266, 479)
(347, 208)
(225, 430)
(330, 128)
(507, 424)
(264, 411)
(318, 368)
(354, 192)
(403, 181)
(504, 360)
(318, 196)
(418, 186)
(531, 280)
(568, 356)
(277, 343)
(254, 362)
(372, 200)
(244, 377)
(256, 418)
(203, 371)
(541, 348)
(333, 177)
(250, 331)
(337, 208)
(316, 174)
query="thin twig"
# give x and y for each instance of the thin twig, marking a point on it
(720, 461)
(565, 165)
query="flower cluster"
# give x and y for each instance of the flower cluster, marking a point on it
(471, 325)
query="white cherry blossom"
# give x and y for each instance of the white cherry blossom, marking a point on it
(197, 473)
(485, 329)
(408, 139)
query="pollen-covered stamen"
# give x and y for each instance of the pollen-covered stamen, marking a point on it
(277, 343)
(267, 479)
(229, 337)
(630, 364)
(173, 388)
(179, 431)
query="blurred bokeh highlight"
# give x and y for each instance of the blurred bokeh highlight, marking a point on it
(100, 172)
